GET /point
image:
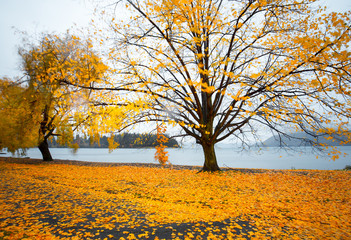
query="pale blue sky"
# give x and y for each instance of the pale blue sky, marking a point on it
(36, 16)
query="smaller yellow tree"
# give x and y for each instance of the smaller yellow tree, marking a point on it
(48, 106)
(161, 155)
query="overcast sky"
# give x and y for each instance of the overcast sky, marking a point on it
(36, 16)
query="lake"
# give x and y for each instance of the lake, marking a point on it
(266, 158)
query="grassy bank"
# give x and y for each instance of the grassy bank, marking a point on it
(97, 201)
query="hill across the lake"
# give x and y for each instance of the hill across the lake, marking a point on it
(303, 139)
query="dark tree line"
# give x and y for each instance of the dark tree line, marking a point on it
(126, 140)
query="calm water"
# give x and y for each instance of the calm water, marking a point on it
(267, 158)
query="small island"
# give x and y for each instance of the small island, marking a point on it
(125, 140)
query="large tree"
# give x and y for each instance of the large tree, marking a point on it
(220, 69)
(53, 108)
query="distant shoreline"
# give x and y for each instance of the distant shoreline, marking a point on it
(148, 147)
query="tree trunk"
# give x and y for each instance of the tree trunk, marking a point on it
(44, 149)
(210, 164)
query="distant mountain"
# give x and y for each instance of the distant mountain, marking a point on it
(302, 139)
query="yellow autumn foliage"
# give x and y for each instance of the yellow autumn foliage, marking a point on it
(60, 201)
(161, 154)
(19, 116)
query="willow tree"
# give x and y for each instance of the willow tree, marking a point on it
(220, 69)
(52, 107)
